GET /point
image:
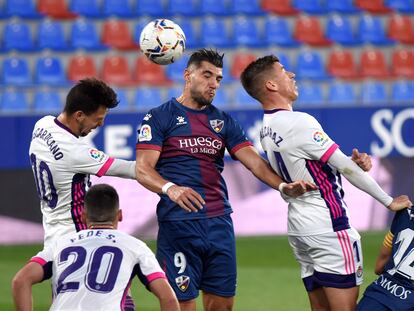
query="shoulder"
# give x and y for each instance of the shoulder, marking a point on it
(303, 120)
(46, 120)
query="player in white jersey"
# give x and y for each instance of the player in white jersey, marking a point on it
(322, 239)
(62, 161)
(93, 269)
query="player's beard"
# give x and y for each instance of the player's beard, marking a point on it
(200, 99)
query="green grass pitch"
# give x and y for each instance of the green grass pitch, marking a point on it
(268, 275)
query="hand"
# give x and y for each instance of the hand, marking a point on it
(363, 160)
(400, 203)
(186, 198)
(298, 188)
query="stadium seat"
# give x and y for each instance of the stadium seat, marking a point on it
(174, 92)
(285, 61)
(246, 7)
(175, 71)
(154, 8)
(341, 64)
(402, 64)
(138, 27)
(214, 33)
(342, 93)
(3, 13)
(401, 28)
(242, 99)
(215, 7)
(191, 35)
(81, 67)
(14, 101)
(115, 71)
(311, 6)
(148, 97)
(403, 92)
(373, 64)
(403, 6)
(84, 35)
(246, 33)
(310, 94)
(116, 34)
(374, 92)
(119, 8)
(372, 6)
(122, 95)
(309, 65)
(277, 32)
(17, 36)
(16, 72)
(279, 7)
(55, 8)
(309, 30)
(372, 31)
(339, 30)
(146, 72)
(47, 101)
(183, 7)
(240, 61)
(49, 71)
(90, 8)
(51, 36)
(342, 6)
(22, 8)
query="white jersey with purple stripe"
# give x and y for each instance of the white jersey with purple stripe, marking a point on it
(298, 148)
(93, 269)
(61, 164)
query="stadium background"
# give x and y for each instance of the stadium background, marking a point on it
(354, 63)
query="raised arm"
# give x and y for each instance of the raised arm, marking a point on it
(146, 175)
(165, 294)
(30, 274)
(260, 168)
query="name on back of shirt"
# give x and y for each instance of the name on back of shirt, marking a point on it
(43, 134)
(267, 131)
(93, 233)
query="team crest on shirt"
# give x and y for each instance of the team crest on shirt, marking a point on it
(217, 125)
(320, 138)
(96, 154)
(182, 282)
(145, 133)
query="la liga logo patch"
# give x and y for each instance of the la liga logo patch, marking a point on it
(320, 138)
(96, 154)
(145, 133)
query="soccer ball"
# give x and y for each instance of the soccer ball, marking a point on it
(162, 41)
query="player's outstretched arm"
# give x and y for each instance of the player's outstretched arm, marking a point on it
(384, 254)
(22, 283)
(260, 168)
(165, 294)
(146, 175)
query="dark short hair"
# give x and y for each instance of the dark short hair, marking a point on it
(101, 203)
(208, 55)
(251, 75)
(88, 95)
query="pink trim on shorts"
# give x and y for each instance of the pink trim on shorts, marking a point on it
(104, 168)
(329, 152)
(345, 242)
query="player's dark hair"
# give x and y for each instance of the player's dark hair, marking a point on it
(207, 55)
(102, 203)
(251, 75)
(88, 95)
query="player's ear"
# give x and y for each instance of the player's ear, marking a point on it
(78, 115)
(120, 216)
(271, 85)
(187, 75)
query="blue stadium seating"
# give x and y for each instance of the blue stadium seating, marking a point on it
(309, 65)
(372, 31)
(242, 99)
(191, 35)
(17, 36)
(373, 92)
(215, 7)
(221, 99)
(147, 97)
(183, 7)
(403, 6)
(342, 6)
(311, 6)
(246, 33)
(248, 7)
(214, 33)
(342, 93)
(285, 61)
(310, 94)
(47, 101)
(49, 71)
(14, 101)
(51, 36)
(122, 96)
(339, 29)
(119, 8)
(90, 8)
(84, 35)
(174, 92)
(154, 8)
(403, 92)
(277, 32)
(175, 71)
(3, 13)
(16, 72)
(22, 8)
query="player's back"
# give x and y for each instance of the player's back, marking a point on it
(93, 269)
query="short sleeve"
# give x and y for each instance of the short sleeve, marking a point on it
(147, 268)
(311, 140)
(88, 160)
(150, 133)
(45, 259)
(235, 136)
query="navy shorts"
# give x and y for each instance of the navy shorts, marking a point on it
(370, 304)
(199, 255)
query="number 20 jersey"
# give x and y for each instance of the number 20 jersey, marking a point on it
(61, 164)
(93, 269)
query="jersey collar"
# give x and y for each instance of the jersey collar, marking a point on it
(58, 123)
(274, 110)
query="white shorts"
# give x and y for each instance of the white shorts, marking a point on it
(329, 260)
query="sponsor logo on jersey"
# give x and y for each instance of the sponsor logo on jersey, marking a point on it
(147, 117)
(206, 145)
(217, 125)
(182, 282)
(96, 154)
(392, 287)
(181, 120)
(145, 133)
(320, 138)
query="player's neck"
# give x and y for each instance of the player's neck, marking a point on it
(101, 225)
(68, 122)
(189, 103)
(277, 103)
